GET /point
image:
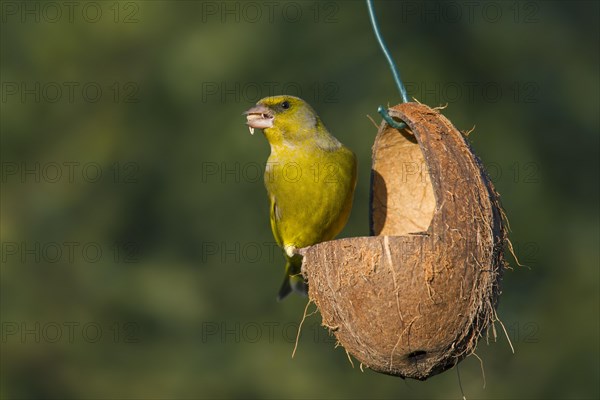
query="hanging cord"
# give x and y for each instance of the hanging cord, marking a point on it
(382, 110)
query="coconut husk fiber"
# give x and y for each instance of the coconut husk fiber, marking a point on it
(412, 299)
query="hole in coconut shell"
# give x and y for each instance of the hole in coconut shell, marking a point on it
(416, 355)
(402, 200)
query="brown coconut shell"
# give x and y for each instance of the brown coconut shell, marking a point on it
(413, 299)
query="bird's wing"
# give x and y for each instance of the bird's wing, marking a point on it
(275, 218)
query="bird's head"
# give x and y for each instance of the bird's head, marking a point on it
(283, 119)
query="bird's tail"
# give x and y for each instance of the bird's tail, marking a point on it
(293, 281)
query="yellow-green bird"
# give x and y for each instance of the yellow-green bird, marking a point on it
(310, 179)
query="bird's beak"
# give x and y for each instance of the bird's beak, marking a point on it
(259, 117)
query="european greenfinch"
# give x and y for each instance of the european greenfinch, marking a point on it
(310, 179)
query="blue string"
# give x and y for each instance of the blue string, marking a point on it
(382, 110)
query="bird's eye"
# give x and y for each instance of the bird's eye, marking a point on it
(285, 105)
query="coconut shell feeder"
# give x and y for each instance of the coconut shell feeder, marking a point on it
(412, 299)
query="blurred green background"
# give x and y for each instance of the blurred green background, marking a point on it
(137, 257)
